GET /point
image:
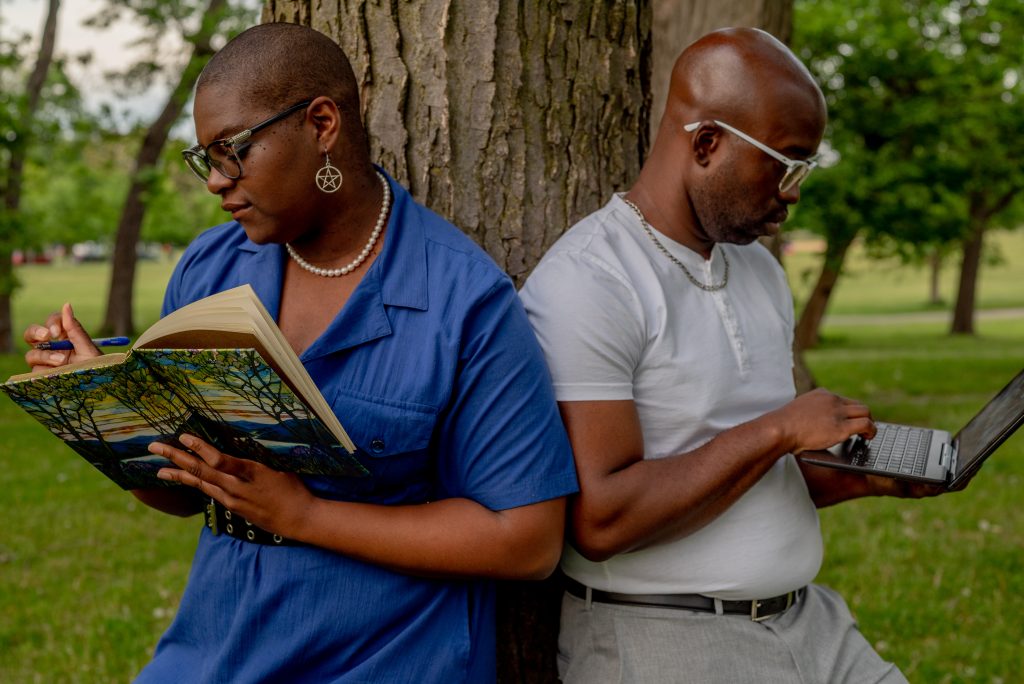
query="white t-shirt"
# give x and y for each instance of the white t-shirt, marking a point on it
(618, 320)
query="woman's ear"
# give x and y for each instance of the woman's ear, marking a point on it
(326, 119)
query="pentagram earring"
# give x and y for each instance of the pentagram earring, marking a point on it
(328, 178)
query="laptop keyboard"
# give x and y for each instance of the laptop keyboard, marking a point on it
(896, 449)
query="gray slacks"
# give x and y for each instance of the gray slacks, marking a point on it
(816, 641)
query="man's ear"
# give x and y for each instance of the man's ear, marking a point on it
(704, 142)
(326, 119)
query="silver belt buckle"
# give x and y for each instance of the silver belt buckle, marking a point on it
(754, 605)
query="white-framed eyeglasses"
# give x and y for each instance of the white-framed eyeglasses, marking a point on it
(797, 170)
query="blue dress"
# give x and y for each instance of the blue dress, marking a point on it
(434, 371)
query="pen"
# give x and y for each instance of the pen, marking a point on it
(64, 345)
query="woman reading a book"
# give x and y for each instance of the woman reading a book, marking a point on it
(416, 340)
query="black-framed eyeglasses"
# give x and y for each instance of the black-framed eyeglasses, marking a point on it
(226, 154)
(797, 170)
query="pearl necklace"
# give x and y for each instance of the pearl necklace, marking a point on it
(345, 270)
(707, 287)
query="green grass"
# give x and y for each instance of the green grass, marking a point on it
(44, 288)
(888, 286)
(89, 579)
(938, 584)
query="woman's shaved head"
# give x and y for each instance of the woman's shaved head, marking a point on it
(273, 66)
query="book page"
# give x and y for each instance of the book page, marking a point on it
(236, 318)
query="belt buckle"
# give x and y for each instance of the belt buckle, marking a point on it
(755, 604)
(211, 517)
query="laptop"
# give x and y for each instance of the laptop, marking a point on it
(925, 455)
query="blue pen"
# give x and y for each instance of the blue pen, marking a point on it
(65, 345)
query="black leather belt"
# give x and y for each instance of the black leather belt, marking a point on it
(756, 610)
(222, 521)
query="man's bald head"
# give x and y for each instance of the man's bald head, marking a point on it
(705, 179)
(741, 75)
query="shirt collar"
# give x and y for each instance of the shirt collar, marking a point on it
(398, 277)
(401, 268)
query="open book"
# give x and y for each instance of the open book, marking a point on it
(219, 368)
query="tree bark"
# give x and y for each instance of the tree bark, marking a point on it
(514, 120)
(10, 225)
(119, 316)
(806, 335)
(981, 209)
(935, 278)
(678, 23)
(970, 266)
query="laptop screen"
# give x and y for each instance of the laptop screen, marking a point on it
(994, 423)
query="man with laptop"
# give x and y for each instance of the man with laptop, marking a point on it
(668, 331)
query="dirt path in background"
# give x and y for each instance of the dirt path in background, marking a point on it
(919, 317)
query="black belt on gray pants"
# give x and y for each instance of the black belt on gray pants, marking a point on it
(756, 610)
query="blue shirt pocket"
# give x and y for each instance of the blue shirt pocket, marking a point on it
(394, 442)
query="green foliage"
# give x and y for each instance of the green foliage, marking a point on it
(78, 168)
(76, 193)
(178, 205)
(12, 81)
(157, 19)
(924, 99)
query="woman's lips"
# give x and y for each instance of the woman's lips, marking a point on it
(236, 210)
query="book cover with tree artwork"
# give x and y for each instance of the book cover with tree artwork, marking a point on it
(229, 397)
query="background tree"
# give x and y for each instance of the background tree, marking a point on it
(922, 95)
(199, 22)
(986, 40)
(15, 144)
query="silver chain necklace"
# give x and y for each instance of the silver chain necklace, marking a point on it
(712, 287)
(354, 264)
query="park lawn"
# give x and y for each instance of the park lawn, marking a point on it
(937, 584)
(43, 288)
(872, 286)
(89, 579)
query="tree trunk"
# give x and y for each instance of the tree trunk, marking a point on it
(935, 278)
(119, 318)
(677, 24)
(981, 209)
(806, 335)
(514, 120)
(970, 265)
(10, 226)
